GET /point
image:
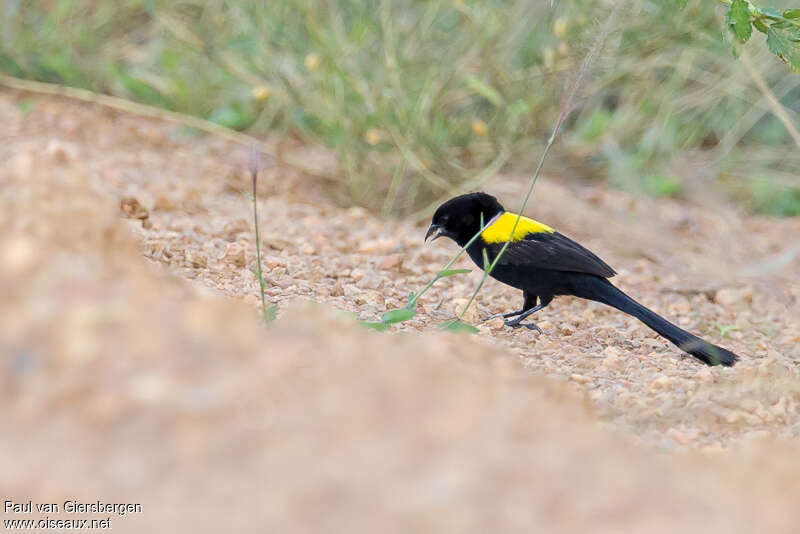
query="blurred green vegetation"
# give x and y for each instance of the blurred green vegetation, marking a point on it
(417, 97)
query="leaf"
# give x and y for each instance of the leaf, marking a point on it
(486, 263)
(760, 26)
(486, 91)
(724, 329)
(457, 326)
(783, 24)
(681, 3)
(398, 316)
(779, 42)
(412, 300)
(230, 116)
(771, 13)
(738, 19)
(792, 14)
(139, 89)
(374, 325)
(453, 272)
(270, 313)
(10, 66)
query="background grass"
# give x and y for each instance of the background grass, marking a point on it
(422, 97)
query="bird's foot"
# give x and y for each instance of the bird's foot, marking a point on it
(495, 316)
(515, 323)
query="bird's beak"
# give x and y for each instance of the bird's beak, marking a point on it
(434, 230)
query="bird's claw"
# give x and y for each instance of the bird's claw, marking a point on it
(533, 326)
(529, 326)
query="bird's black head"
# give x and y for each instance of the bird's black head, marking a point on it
(460, 218)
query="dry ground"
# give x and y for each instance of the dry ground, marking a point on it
(123, 381)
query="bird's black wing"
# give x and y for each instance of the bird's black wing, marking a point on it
(553, 251)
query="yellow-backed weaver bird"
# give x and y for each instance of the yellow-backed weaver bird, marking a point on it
(544, 263)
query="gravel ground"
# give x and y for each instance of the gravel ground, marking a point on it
(706, 269)
(142, 379)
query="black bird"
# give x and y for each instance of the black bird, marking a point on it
(544, 263)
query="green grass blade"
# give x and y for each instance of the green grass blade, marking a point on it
(374, 325)
(452, 272)
(456, 325)
(398, 316)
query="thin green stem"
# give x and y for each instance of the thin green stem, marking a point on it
(259, 272)
(566, 108)
(265, 315)
(489, 267)
(486, 270)
(530, 188)
(413, 301)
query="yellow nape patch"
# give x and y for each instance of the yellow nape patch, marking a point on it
(498, 231)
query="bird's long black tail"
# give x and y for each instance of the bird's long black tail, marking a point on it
(601, 290)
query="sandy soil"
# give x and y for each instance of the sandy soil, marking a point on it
(123, 380)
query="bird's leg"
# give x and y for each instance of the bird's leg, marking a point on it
(516, 323)
(504, 315)
(530, 302)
